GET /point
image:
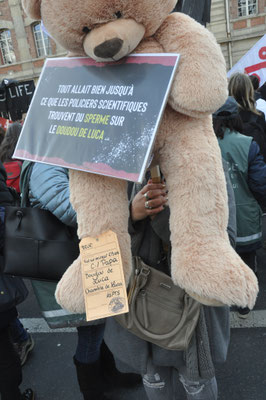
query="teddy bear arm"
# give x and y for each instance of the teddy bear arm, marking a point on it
(200, 85)
(202, 260)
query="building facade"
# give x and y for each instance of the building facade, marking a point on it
(23, 44)
(237, 25)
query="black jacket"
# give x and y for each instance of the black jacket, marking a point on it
(254, 125)
(6, 199)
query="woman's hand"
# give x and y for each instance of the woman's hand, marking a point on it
(149, 201)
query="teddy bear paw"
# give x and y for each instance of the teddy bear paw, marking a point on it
(215, 276)
(69, 290)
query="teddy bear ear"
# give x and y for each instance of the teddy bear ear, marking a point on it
(32, 8)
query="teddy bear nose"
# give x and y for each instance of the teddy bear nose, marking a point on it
(109, 48)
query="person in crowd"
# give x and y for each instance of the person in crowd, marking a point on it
(10, 140)
(240, 87)
(260, 103)
(254, 125)
(161, 368)
(248, 176)
(262, 91)
(10, 365)
(7, 148)
(49, 189)
(256, 84)
(23, 341)
(2, 134)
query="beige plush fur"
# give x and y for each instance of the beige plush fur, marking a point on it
(203, 261)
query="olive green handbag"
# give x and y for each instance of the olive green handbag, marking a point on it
(159, 311)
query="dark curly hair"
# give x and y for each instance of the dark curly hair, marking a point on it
(9, 142)
(233, 124)
(255, 81)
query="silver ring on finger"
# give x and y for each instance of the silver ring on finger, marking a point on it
(146, 196)
(147, 205)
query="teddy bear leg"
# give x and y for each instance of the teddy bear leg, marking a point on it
(69, 293)
(203, 261)
(101, 204)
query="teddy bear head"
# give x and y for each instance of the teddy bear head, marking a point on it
(105, 30)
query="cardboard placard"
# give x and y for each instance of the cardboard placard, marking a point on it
(100, 118)
(102, 276)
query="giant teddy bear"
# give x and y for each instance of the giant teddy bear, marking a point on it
(203, 262)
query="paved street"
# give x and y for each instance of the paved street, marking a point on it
(50, 372)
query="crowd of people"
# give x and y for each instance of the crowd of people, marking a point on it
(104, 345)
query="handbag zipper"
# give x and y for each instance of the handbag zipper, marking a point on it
(144, 308)
(167, 305)
(133, 286)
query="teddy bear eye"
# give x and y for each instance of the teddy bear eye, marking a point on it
(118, 14)
(86, 29)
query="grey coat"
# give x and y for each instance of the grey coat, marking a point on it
(211, 339)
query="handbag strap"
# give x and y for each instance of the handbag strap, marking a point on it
(25, 183)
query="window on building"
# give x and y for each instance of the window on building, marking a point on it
(42, 42)
(6, 48)
(247, 7)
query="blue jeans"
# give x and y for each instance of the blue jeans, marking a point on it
(17, 331)
(89, 343)
(204, 389)
(160, 383)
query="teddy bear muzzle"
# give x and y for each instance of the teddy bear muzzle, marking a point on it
(114, 40)
(109, 48)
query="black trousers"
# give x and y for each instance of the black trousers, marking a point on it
(250, 259)
(10, 368)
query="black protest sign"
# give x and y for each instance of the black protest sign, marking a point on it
(98, 117)
(15, 97)
(19, 96)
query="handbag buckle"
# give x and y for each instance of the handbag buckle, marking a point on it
(145, 271)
